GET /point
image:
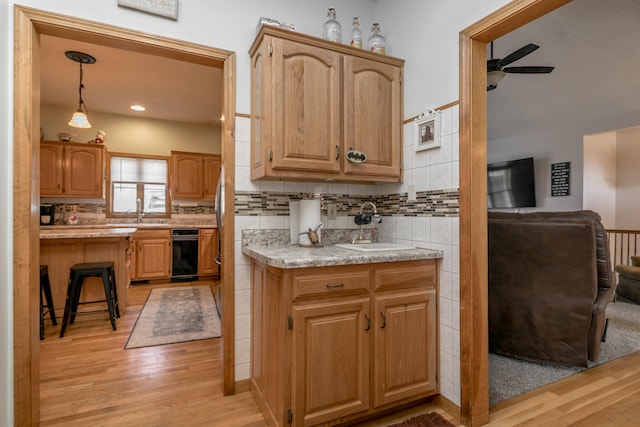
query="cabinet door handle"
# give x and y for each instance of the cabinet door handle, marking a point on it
(366, 316)
(384, 320)
(339, 151)
(335, 285)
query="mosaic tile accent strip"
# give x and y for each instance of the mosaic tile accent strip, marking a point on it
(441, 203)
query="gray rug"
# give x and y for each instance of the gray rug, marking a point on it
(509, 377)
(179, 314)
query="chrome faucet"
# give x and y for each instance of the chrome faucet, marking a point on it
(363, 218)
(139, 210)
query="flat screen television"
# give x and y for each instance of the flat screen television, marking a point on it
(511, 184)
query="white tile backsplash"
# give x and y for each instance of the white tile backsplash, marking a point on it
(427, 170)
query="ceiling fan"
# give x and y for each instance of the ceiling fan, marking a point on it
(496, 67)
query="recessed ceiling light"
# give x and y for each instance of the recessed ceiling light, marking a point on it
(138, 108)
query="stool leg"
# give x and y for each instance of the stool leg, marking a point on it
(109, 295)
(46, 287)
(115, 293)
(41, 317)
(78, 281)
(67, 304)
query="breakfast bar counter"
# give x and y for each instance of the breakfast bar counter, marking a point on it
(60, 248)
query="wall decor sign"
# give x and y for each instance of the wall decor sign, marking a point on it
(427, 130)
(165, 8)
(560, 174)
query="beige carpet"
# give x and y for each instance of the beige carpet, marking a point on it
(509, 377)
(177, 314)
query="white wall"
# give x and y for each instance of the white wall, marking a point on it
(127, 134)
(424, 33)
(628, 179)
(600, 176)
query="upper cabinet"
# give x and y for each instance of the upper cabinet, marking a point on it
(194, 175)
(313, 102)
(71, 169)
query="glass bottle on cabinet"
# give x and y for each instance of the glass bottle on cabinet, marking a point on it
(332, 30)
(376, 42)
(356, 34)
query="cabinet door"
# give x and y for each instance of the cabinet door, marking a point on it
(186, 177)
(306, 109)
(50, 169)
(260, 126)
(330, 360)
(207, 251)
(211, 176)
(153, 258)
(404, 346)
(373, 117)
(83, 171)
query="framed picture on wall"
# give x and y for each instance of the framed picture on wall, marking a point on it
(427, 131)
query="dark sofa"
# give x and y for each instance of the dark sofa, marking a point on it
(550, 280)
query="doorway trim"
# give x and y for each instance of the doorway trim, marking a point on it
(474, 348)
(29, 24)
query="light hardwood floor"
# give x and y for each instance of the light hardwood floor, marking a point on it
(88, 379)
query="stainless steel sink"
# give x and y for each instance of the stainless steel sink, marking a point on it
(374, 247)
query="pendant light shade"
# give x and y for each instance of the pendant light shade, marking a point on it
(79, 118)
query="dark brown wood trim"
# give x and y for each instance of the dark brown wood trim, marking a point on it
(474, 351)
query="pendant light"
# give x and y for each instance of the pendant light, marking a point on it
(79, 118)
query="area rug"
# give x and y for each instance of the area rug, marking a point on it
(177, 314)
(432, 419)
(509, 377)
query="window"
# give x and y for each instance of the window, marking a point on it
(137, 180)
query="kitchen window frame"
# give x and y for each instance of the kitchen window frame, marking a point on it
(109, 213)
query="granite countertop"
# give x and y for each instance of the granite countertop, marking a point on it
(85, 233)
(269, 247)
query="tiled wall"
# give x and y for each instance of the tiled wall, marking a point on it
(431, 220)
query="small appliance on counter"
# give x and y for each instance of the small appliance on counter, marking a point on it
(47, 214)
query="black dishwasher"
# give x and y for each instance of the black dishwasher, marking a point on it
(185, 254)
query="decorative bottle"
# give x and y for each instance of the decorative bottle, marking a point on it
(356, 34)
(332, 30)
(376, 41)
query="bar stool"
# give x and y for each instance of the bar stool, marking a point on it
(77, 274)
(45, 287)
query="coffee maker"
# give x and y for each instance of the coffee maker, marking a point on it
(47, 214)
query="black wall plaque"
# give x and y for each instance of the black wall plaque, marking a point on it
(560, 173)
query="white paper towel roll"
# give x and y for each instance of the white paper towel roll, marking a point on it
(309, 219)
(294, 221)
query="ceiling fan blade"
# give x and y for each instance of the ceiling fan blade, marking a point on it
(520, 53)
(528, 70)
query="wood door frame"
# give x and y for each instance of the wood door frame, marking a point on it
(474, 335)
(29, 24)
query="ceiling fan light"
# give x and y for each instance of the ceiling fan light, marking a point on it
(494, 77)
(79, 120)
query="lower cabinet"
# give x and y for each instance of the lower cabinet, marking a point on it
(207, 251)
(333, 344)
(150, 255)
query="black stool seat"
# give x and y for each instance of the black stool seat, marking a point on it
(77, 274)
(45, 288)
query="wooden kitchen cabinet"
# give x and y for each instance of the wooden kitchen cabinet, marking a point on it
(71, 169)
(194, 176)
(150, 254)
(207, 251)
(313, 101)
(335, 344)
